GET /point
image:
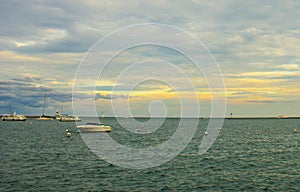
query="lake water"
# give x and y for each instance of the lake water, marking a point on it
(249, 155)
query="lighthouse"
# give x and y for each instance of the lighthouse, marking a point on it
(57, 116)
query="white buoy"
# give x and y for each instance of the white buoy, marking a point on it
(295, 131)
(68, 133)
(206, 133)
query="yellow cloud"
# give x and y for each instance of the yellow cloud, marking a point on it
(289, 67)
(244, 94)
(24, 43)
(267, 74)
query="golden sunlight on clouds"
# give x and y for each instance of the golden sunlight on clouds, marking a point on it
(263, 86)
(54, 58)
(105, 83)
(43, 36)
(250, 83)
(289, 67)
(244, 94)
(267, 74)
(24, 43)
(140, 95)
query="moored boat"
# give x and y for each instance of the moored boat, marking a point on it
(13, 117)
(282, 117)
(45, 118)
(93, 127)
(67, 118)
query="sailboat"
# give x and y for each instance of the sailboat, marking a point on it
(68, 118)
(43, 117)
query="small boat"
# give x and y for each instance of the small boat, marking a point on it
(13, 117)
(93, 127)
(282, 117)
(67, 118)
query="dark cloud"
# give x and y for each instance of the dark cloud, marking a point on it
(261, 101)
(110, 96)
(24, 94)
(26, 79)
(13, 86)
(105, 88)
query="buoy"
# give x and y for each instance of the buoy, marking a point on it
(206, 133)
(68, 133)
(295, 131)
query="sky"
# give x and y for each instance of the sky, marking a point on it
(45, 43)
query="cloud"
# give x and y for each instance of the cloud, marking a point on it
(251, 40)
(267, 101)
(25, 92)
(266, 75)
(289, 67)
(110, 96)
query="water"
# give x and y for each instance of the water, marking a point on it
(250, 155)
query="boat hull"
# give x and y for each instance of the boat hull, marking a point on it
(14, 118)
(44, 119)
(91, 129)
(69, 119)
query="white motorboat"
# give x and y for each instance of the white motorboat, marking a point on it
(93, 127)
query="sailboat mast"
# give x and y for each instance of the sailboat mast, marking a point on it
(44, 104)
(10, 111)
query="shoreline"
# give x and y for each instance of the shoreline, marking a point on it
(226, 118)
